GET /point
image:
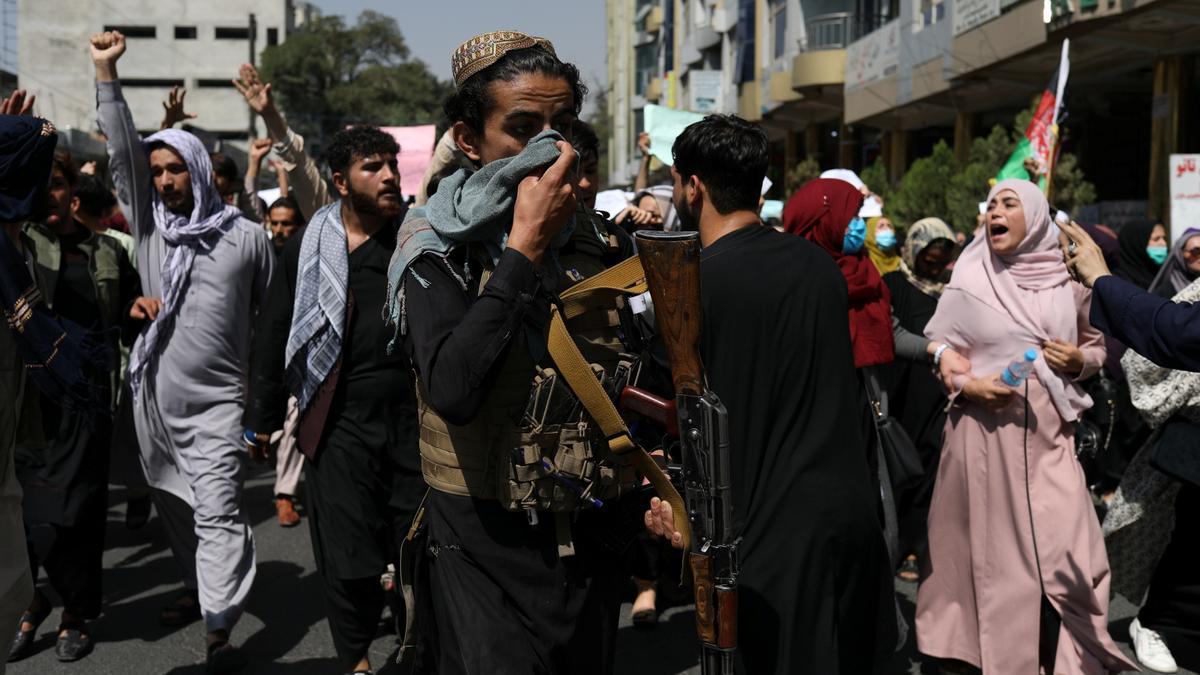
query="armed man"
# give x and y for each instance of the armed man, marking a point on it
(814, 590)
(517, 561)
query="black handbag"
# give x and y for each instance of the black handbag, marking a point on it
(898, 450)
(1177, 451)
(1094, 430)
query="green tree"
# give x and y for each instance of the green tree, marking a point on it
(602, 125)
(876, 178)
(924, 189)
(329, 74)
(806, 170)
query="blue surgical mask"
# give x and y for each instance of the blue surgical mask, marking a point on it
(1157, 253)
(856, 236)
(885, 240)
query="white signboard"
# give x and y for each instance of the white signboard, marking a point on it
(704, 88)
(1185, 193)
(874, 57)
(971, 13)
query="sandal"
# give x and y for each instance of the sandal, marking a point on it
(74, 642)
(223, 657)
(183, 610)
(908, 570)
(22, 645)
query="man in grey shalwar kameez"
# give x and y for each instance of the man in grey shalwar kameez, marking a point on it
(210, 267)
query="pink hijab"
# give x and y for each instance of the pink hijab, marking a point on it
(1009, 283)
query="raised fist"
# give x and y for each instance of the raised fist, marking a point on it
(108, 46)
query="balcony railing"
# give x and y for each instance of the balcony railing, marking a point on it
(836, 30)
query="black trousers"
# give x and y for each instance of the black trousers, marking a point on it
(1173, 602)
(495, 597)
(72, 557)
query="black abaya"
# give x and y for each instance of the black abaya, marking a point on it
(816, 594)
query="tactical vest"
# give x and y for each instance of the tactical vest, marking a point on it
(513, 453)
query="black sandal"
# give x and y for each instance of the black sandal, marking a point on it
(223, 657)
(22, 645)
(74, 642)
(183, 610)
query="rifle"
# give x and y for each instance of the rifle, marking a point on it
(672, 264)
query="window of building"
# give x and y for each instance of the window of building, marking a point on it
(778, 13)
(272, 37)
(135, 31)
(646, 67)
(185, 32)
(156, 83)
(214, 83)
(928, 12)
(232, 33)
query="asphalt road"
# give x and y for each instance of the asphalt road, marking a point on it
(284, 629)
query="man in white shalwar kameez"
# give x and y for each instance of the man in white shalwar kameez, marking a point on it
(210, 267)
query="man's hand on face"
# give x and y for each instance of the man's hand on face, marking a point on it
(256, 92)
(145, 308)
(544, 203)
(1086, 262)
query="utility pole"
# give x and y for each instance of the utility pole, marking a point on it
(253, 42)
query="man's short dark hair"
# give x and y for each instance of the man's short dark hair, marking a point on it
(584, 138)
(95, 199)
(356, 143)
(729, 155)
(287, 203)
(66, 164)
(224, 166)
(473, 100)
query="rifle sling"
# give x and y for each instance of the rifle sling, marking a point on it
(626, 277)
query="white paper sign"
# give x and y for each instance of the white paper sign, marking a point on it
(704, 88)
(971, 13)
(1185, 194)
(874, 57)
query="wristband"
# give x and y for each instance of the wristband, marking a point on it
(937, 354)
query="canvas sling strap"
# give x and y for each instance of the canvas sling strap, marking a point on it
(626, 278)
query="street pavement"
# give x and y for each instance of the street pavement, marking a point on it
(284, 630)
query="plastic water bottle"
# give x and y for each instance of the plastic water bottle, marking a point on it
(1015, 374)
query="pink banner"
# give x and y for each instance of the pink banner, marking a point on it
(416, 151)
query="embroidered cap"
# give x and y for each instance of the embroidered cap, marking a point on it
(482, 51)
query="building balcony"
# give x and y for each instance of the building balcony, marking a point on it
(825, 67)
(654, 90)
(654, 20)
(828, 31)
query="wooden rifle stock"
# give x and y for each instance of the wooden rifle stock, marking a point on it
(672, 264)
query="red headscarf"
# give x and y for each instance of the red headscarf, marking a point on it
(820, 211)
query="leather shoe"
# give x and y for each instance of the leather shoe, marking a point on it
(73, 644)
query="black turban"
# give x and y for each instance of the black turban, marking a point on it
(26, 156)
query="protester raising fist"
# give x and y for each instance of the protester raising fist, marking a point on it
(107, 48)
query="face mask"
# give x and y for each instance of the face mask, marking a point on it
(1157, 253)
(856, 236)
(885, 240)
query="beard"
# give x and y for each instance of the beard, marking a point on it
(177, 203)
(688, 221)
(367, 204)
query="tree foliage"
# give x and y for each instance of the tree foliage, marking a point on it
(806, 170)
(329, 74)
(939, 185)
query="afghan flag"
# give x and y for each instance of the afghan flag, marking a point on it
(1037, 149)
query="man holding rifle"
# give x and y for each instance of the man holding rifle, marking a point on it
(814, 586)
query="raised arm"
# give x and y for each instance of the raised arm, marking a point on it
(305, 178)
(127, 160)
(259, 148)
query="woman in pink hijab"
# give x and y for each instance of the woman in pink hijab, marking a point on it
(1017, 578)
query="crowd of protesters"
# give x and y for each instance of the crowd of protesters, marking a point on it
(906, 402)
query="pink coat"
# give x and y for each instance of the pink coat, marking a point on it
(1011, 507)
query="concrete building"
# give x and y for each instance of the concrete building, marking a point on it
(198, 45)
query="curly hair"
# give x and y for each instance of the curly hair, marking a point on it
(356, 143)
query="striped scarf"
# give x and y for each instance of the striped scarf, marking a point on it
(319, 314)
